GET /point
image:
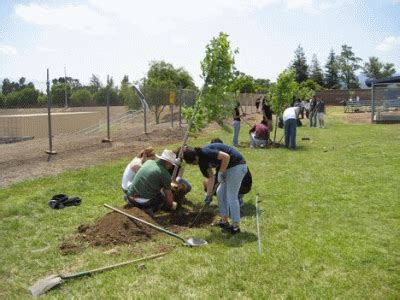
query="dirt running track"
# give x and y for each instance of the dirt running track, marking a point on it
(27, 160)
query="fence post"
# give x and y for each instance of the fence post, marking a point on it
(50, 151)
(180, 106)
(108, 140)
(372, 102)
(145, 118)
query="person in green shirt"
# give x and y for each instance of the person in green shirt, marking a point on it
(151, 187)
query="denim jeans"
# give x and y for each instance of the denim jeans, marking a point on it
(236, 129)
(254, 142)
(227, 192)
(290, 133)
(313, 119)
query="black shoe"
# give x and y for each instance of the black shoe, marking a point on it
(232, 230)
(223, 225)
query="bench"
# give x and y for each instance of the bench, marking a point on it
(391, 103)
(357, 106)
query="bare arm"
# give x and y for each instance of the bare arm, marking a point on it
(224, 158)
(210, 182)
(169, 197)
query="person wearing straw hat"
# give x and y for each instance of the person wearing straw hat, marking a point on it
(151, 186)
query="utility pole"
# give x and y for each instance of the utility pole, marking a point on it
(65, 84)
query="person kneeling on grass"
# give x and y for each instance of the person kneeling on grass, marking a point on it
(133, 167)
(151, 186)
(259, 135)
(232, 169)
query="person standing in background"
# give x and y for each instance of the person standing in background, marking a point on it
(267, 114)
(320, 108)
(290, 116)
(236, 125)
(313, 112)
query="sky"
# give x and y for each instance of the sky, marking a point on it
(121, 37)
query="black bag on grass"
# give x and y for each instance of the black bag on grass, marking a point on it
(59, 201)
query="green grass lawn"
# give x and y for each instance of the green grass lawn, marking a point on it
(329, 223)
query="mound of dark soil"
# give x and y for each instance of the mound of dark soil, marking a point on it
(115, 228)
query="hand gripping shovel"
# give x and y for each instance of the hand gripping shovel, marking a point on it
(45, 284)
(191, 242)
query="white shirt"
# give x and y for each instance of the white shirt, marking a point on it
(290, 113)
(129, 174)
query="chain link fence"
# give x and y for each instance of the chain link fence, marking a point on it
(69, 126)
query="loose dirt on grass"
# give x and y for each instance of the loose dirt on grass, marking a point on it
(116, 229)
(358, 117)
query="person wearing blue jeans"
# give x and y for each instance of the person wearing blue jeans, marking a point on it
(313, 112)
(236, 125)
(232, 169)
(290, 116)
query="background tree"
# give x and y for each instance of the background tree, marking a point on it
(348, 65)
(374, 69)
(100, 97)
(94, 84)
(11, 86)
(163, 75)
(316, 73)
(299, 65)
(81, 97)
(161, 79)
(58, 94)
(127, 95)
(311, 84)
(332, 80)
(283, 92)
(262, 85)
(217, 70)
(242, 83)
(72, 82)
(24, 98)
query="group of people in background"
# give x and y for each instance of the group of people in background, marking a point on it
(315, 111)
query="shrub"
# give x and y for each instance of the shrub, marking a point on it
(81, 98)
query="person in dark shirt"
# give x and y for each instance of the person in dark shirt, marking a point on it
(313, 112)
(232, 169)
(236, 124)
(245, 186)
(267, 114)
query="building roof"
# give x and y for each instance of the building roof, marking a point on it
(393, 79)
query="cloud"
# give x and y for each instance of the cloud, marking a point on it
(8, 50)
(45, 49)
(100, 17)
(389, 43)
(69, 17)
(314, 7)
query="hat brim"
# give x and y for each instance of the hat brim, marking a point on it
(168, 160)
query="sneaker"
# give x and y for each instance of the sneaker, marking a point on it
(231, 230)
(223, 225)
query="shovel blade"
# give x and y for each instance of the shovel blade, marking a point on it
(192, 242)
(45, 284)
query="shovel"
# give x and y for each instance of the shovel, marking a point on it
(45, 284)
(191, 242)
